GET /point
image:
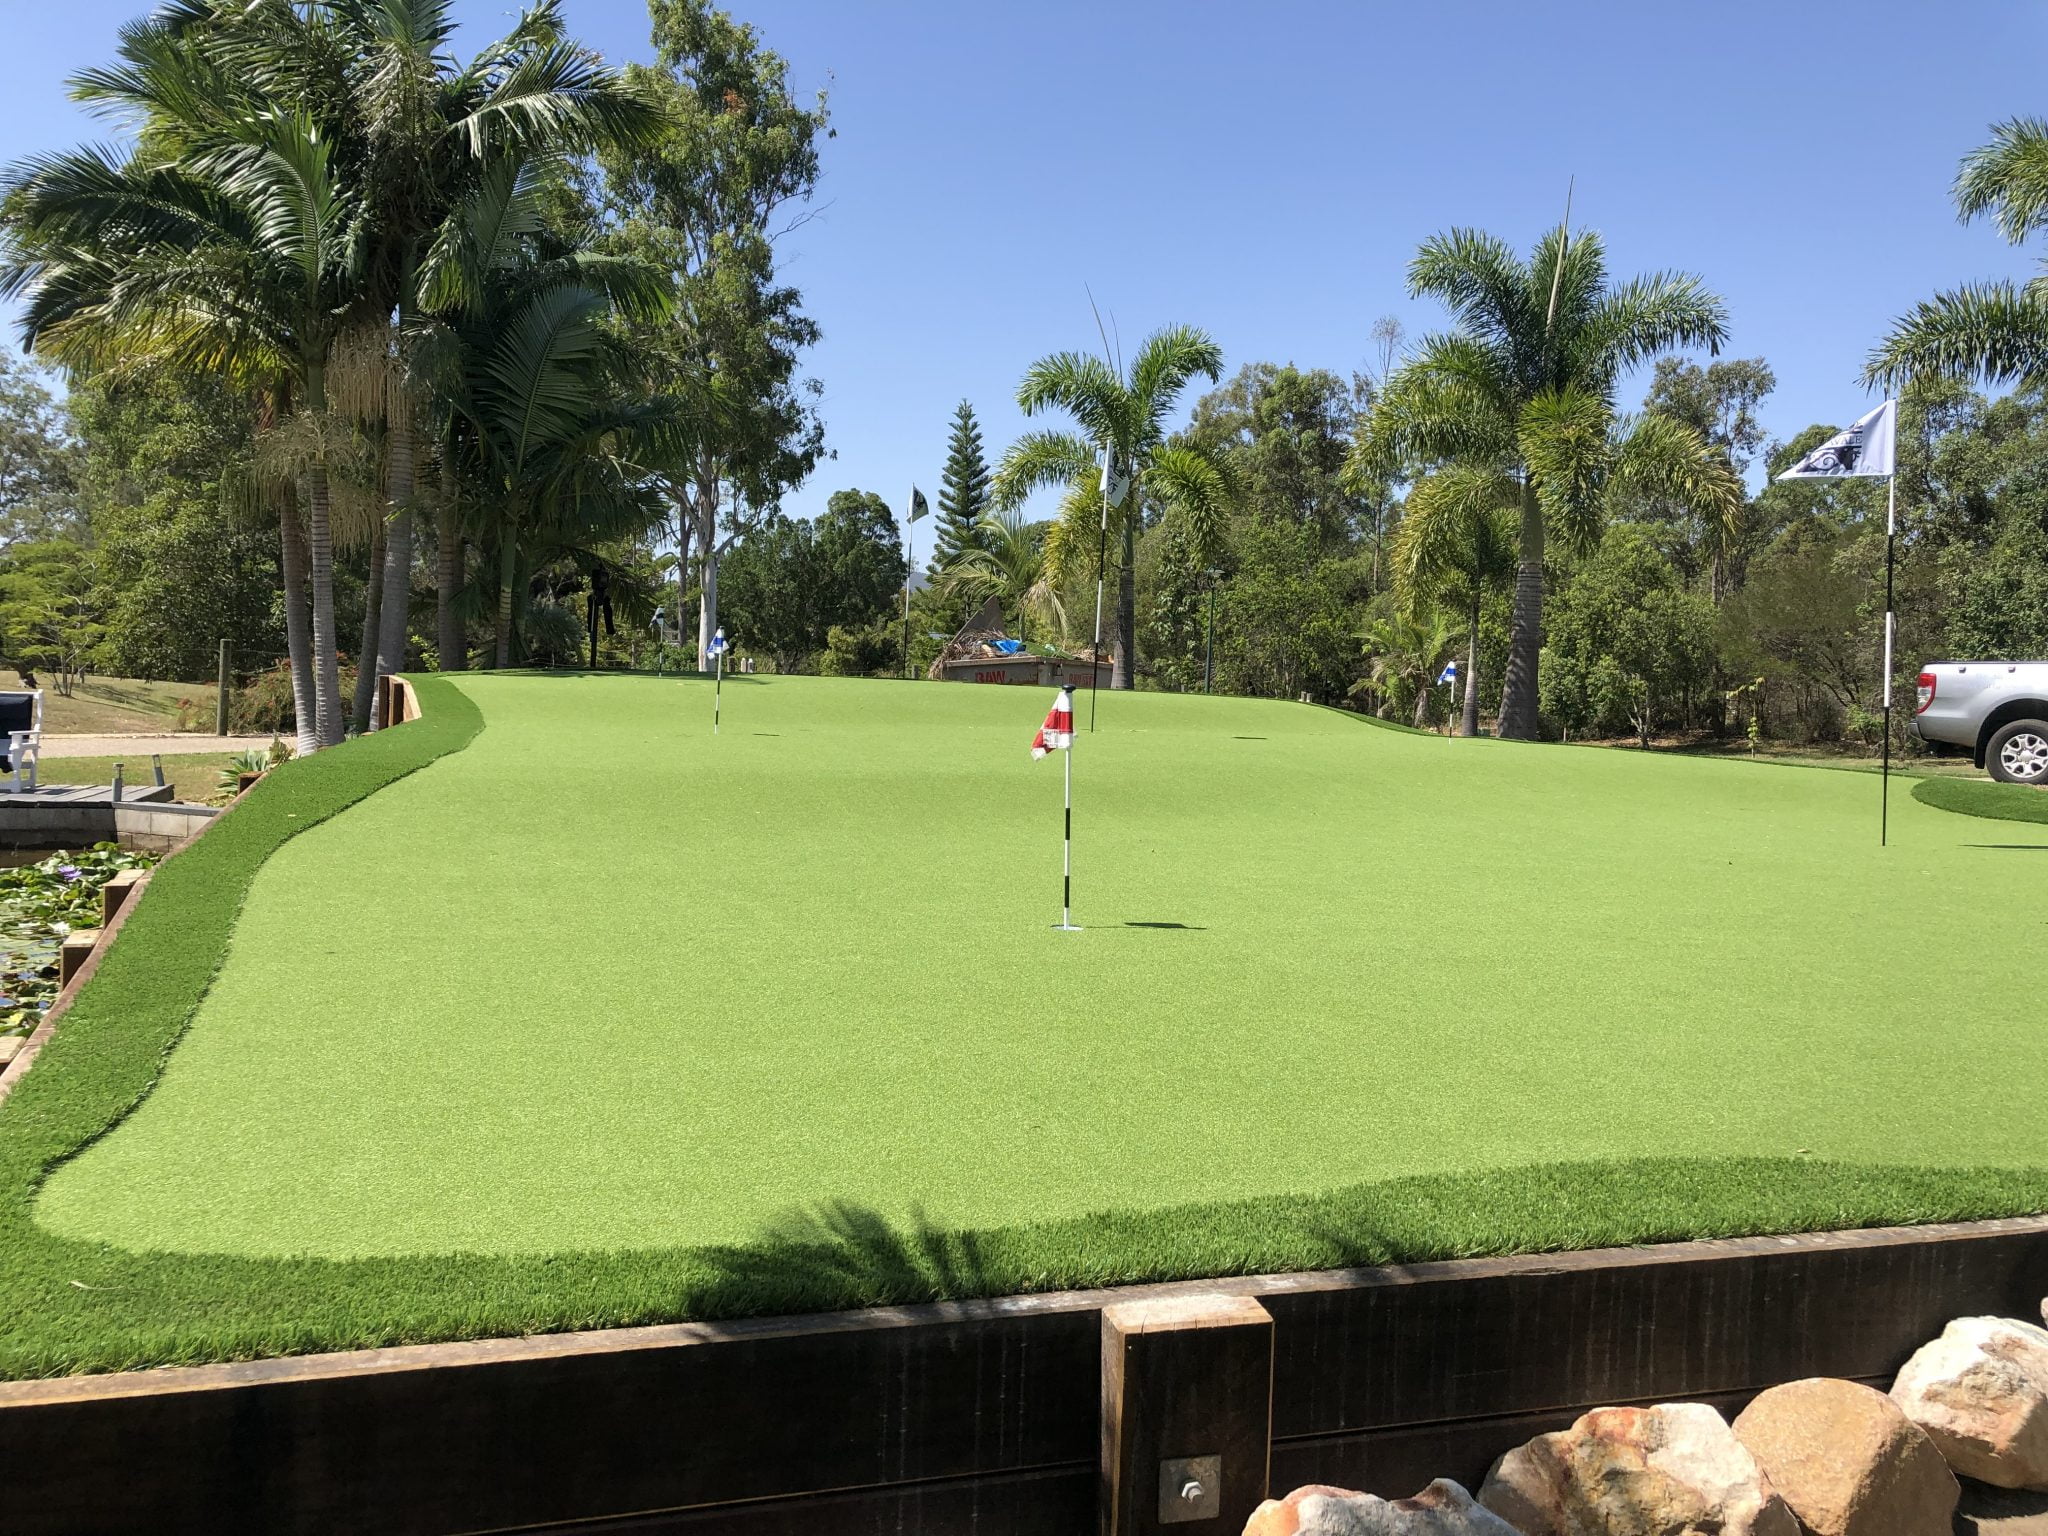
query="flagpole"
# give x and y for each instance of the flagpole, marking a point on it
(1067, 851)
(718, 649)
(909, 544)
(1891, 539)
(1101, 555)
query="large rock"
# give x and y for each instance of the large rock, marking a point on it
(1673, 1470)
(1441, 1509)
(1981, 1393)
(1848, 1460)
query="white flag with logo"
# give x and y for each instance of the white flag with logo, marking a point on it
(1116, 482)
(1867, 449)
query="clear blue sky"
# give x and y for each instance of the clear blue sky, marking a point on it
(1266, 171)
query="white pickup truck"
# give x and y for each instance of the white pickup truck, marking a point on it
(1996, 709)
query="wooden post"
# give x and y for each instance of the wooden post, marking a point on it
(1187, 1415)
(74, 951)
(220, 708)
(115, 893)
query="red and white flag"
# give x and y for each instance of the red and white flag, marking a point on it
(1057, 734)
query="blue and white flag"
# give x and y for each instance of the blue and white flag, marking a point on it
(717, 643)
(1866, 450)
(1449, 673)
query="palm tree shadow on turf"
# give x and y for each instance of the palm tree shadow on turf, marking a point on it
(838, 1254)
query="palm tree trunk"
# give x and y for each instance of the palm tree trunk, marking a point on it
(366, 654)
(449, 640)
(1468, 724)
(298, 622)
(1525, 635)
(395, 607)
(508, 565)
(1421, 720)
(327, 715)
(1124, 654)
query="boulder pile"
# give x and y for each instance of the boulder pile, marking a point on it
(1810, 1458)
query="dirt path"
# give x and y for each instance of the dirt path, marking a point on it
(169, 743)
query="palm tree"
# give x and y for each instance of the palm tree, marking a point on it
(1006, 561)
(1405, 650)
(1523, 387)
(294, 163)
(549, 423)
(1995, 331)
(220, 246)
(431, 135)
(1124, 418)
(1456, 543)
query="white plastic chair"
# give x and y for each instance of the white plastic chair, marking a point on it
(21, 717)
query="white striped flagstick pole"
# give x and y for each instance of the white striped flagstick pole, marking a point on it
(1057, 735)
(1067, 852)
(1891, 624)
(717, 676)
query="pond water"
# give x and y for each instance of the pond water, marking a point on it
(43, 897)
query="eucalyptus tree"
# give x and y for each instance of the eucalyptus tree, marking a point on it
(1523, 387)
(1456, 545)
(707, 199)
(1993, 331)
(1120, 418)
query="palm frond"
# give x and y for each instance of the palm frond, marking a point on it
(1083, 386)
(1452, 399)
(2008, 178)
(1990, 331)
(1662, 456)
(1566, 442)
(1482, 282)
(1037, 460)
(1458, 530)
(1167, 360)
(1660, 312)
(1197, 490)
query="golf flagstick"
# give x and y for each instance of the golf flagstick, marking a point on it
(1891, 625)
(1057, 735)
(717, 676)
(1867, 450)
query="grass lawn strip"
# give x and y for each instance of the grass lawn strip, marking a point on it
(792, 1097)
(1983, 797)
(193, 776)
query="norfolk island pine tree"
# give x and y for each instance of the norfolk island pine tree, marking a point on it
(963, 492)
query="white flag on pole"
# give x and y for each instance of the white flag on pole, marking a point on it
(1866, 450)
(1116, 481)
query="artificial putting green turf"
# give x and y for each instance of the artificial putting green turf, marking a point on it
(599, 1019)
(1982, 797)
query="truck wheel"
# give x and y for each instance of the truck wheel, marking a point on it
(2018, 752)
